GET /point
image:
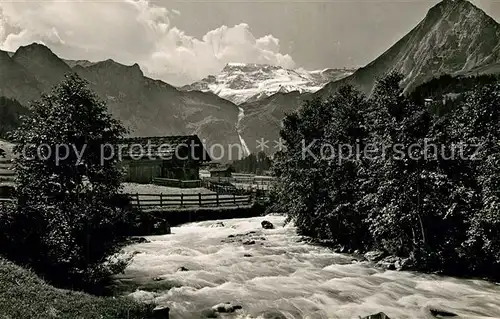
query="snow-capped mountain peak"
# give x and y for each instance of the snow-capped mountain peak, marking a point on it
(241, 82)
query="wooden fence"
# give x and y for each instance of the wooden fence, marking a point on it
(150, 201)
(176, 183)
(240, 180)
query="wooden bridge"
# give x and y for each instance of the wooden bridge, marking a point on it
(169, 201)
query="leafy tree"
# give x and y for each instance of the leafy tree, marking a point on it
(346, 219)
(68, 220)
(301, 186)
(318, 173)
(411, 192)
(477, 126)
(389, 222)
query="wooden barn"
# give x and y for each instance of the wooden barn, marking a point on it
(169, 157)
(222, 171)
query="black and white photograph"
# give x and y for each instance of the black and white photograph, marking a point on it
(249, 159)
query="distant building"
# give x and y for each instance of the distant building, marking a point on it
(428, 102)
(168, 157)
(224, 171)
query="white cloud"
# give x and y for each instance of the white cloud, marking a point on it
(132, 31)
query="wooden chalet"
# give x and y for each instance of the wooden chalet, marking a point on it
(168, 157)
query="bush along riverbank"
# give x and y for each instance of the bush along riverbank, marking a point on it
(385, 173)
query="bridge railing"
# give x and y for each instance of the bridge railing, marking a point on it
(168, 201)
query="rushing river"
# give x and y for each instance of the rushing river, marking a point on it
(279, 276)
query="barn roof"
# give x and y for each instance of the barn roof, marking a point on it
(221, 169)
(164, 148)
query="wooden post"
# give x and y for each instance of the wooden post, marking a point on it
(199, 199)
(217, 197)
(182, 199)
(161, 199)
(234, 198)
(138, 202)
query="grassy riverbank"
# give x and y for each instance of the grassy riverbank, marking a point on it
(24, 295)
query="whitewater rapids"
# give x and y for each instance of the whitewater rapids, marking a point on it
(281, 276)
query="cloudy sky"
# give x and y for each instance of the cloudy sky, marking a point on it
(183, 41)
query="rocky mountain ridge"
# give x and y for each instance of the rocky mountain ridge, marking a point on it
(245, 83)
(147, 107)
(455, 37)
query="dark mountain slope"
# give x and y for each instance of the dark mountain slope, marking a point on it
(43, 64)
(15, 81)
(455, 37)
(146, 106)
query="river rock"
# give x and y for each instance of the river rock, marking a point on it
(388, 262)
(404, 264)
(226, 308)
(218, 225)
(379, 315)
(247, 255)
(375, 255)
(182, 269)
(273, 315)
(442, 313)
(249, 242)
(162, 227)
(210, 313)
(267, 224)
(394, 263)
(161, 312)
(340, 249)
(139, 240)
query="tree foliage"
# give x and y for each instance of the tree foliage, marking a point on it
(427, 189)
(258, 164)
(326, 208)
(68, 219)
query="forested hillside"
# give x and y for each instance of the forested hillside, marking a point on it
(10, 111)
(253, 164)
